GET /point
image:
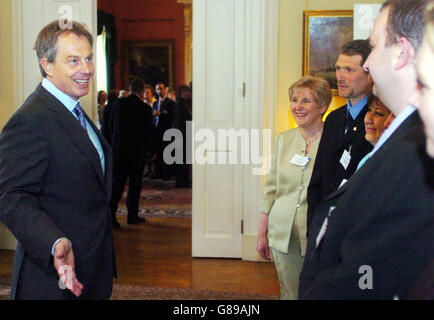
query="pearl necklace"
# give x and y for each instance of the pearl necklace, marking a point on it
(309, 141)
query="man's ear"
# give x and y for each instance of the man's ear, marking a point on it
(405, 53)
(371, 81)
(46, 65)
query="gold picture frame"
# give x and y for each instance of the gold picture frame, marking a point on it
(152, 61)
(324, 34)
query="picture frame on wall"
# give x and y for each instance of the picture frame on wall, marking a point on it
(152, 61)
(324, 34)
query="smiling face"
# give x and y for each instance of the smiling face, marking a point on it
(425, 71)
(375, 120)
(353, 82)
(305, 109)
(72, 70)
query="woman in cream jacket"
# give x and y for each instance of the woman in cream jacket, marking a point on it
(282, 224)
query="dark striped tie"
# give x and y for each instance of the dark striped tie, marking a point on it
(80, 115)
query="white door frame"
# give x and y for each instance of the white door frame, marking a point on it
(259, 74)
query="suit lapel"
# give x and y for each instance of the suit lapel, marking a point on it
(107, 155)
(412, 122)
(74, 130)
(358, 128)
(339, 126)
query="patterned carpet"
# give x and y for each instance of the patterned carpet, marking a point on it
(125, 292)
(161, 199)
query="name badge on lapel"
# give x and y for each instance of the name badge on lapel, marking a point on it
(345, 159)
(299, 160)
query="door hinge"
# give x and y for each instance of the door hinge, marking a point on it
(244, 89)
(242, 226)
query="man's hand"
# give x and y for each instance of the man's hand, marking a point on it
(64, 264)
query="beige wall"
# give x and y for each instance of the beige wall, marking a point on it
(290, 48)
(6, 67)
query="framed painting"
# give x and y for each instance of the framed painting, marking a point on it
(324, 34)
(152, 61)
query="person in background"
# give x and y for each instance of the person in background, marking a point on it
(171, 94)
(377, 119)
(123, 93)
(182, 114)
(343, 143)
(283, 219)
(148, 99)
(107, 126)
(162, 121)
(148, 96)
(102, 99)
(132, 120)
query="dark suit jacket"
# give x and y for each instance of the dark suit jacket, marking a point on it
(107, 122)
(52, 186)
(383, 218)
(328, 172)
(132, 129)
(167, 109)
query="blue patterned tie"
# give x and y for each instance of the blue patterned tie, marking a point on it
(79, 113)
(157, 118)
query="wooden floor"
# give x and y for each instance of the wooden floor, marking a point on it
(157, 253)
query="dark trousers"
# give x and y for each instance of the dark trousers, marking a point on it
(182, 169)
(131, 168)
(162, 169)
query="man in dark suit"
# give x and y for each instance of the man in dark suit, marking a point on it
(183, 113)
(131, 135)
(163, 120)
(107, 124)
(55, 179)
(343, 142)
(373, 237)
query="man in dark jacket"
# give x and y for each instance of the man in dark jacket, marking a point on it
(163, 120)
(343, 142)
(55, 179)
(132, 120)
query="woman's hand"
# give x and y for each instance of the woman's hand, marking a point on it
(262, 245)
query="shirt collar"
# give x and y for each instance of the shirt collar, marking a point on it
(66, 100)
(400, 118)
(355, 110)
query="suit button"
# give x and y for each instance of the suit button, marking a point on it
(298, 206)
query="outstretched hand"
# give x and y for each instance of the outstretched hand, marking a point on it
(64, 264)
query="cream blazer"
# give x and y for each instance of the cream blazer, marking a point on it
(285, 190)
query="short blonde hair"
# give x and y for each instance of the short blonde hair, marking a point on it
(322, 93)
(429, 28)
